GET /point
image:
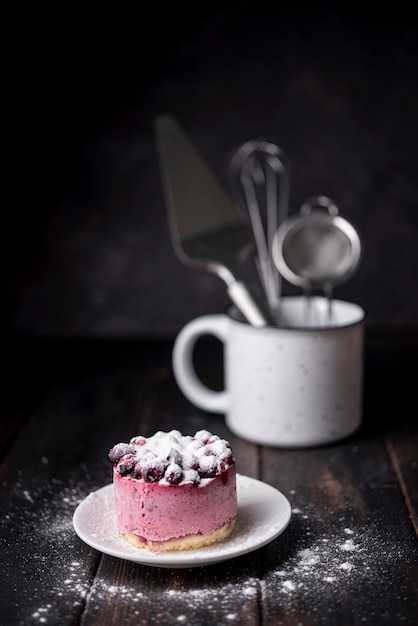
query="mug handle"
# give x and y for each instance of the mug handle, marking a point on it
(182, 360)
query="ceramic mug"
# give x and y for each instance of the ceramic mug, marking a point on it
(297, 384)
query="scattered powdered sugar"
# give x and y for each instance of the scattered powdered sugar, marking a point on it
(288, 584)
(348, 546)
(192, 606)
(315, 559)
(324, 561)
(57, 576)
(332, 559)
(37, 526)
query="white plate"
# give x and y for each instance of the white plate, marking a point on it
(263, 514)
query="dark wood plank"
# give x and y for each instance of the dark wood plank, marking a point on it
(348, 556)
(402, 446)
(132, 594)
(56, 461)
(350, 553)
(21, 390)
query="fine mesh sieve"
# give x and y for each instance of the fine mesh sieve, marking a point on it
(317, 248)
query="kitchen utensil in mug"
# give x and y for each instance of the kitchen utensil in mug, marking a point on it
(205, 228)
(293, 385)
(259, 179)
(317, 248)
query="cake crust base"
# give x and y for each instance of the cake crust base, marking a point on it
(177, 544)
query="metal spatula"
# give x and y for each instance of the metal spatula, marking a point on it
(205, 229)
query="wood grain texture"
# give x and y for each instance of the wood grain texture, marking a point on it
(349, 555)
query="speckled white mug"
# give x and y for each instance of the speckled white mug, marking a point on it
(297, 384)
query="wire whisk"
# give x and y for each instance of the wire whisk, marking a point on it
(260, 185)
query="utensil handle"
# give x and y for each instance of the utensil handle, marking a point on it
(182, 361)
(244, 301)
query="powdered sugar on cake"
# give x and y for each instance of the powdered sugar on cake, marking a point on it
(173, 458)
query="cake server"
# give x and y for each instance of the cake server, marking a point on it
(205, 228)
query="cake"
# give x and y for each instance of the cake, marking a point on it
(173, 491)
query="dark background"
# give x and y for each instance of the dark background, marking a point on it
(88, 248)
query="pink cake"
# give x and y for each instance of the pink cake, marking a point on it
(174, 492)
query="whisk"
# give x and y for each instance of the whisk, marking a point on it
(259, 178)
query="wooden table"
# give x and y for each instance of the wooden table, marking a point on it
(348, 556)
